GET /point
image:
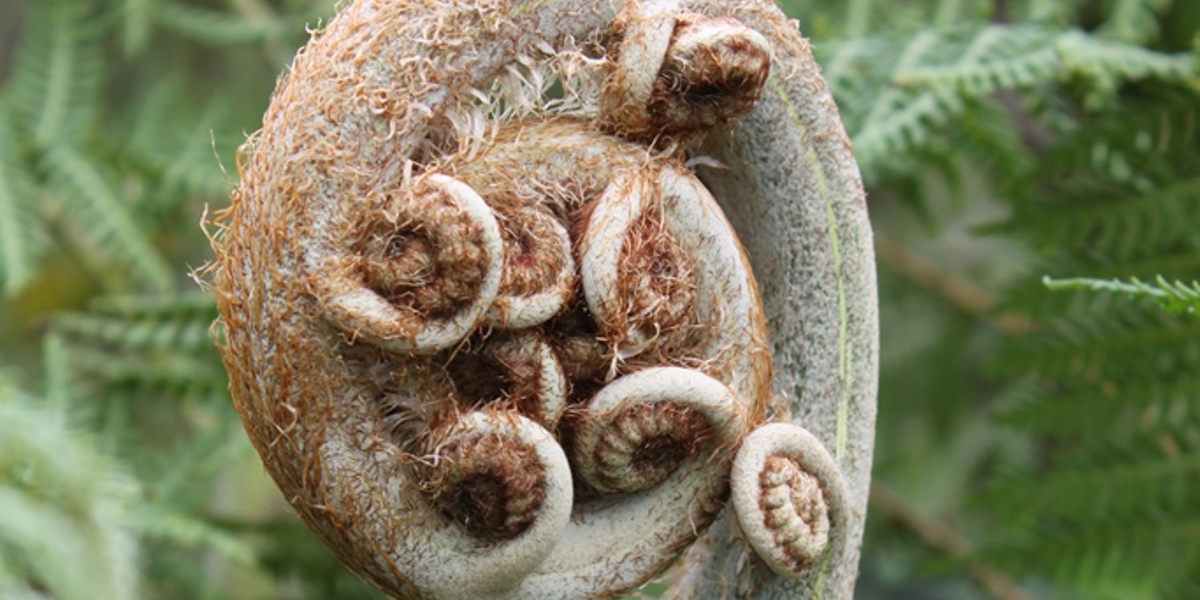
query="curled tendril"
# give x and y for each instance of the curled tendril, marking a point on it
(520, 370)
(539, 271)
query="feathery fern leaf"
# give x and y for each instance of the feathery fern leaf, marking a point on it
(925, 84)
(1176, 298)
(181, 161)
(1106, 407)
(104, 223)
(1107, 480)
(1123, 342)
(56, 84)
(22, 240)
(64, 520)
(129, 324)
(1135, 20)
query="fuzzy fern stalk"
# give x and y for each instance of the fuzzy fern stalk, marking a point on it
(497, 342)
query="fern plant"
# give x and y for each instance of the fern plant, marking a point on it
(1002, 142)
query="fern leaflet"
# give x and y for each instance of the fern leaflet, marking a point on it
(22, 239)
(102, 219)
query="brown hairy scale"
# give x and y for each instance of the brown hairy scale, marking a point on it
(503, 371)
(660, 298)
(532, 257)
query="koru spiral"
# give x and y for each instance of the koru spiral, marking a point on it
(489, 331)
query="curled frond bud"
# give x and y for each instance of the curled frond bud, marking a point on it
(425, 265)
(789, 498)
(639, 429)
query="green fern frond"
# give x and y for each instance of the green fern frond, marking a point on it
(1117, 222)
(155, 346)
(1113, 480)
(1135, 21)
(22, 239)
(1107, 64)
(211, 26)
(1176, 298)
(183, 530)
(1115, 558)
(1123, 342)
(91, 206)
(183, 160)
(993, 58)
(131, 323)
(64, 523)
(56, 84)
(1106, 407)
(224, 29)
(1050, 12)
(905, 94)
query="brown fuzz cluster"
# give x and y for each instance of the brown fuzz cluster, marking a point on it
(659, 288)
(537, 251)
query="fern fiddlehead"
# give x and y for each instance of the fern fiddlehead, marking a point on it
(474, 344)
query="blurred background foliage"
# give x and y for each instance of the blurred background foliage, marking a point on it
(1033, 169)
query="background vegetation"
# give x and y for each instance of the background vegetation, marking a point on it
(1034, 440)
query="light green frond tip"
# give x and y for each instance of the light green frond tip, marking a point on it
(1177, 297)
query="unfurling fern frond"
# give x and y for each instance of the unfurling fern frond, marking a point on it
(65, 523)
